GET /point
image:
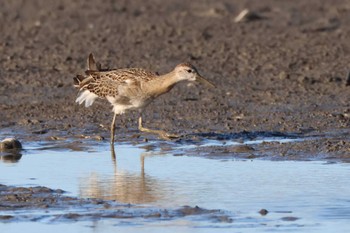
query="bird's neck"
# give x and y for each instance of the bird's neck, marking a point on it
(162, 84)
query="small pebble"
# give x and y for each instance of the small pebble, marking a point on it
(263, 212)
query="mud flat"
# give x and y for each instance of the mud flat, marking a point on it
(285, 71)
(282, 93)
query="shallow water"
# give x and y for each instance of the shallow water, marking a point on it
(300, 196)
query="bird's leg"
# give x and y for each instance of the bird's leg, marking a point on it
(161, 133)
(113, 129)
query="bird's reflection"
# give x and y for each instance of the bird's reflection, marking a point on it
(122, 186)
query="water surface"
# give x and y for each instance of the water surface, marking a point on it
(300, 196)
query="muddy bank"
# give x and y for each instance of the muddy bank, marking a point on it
(52, 205)
(284, 72)
(329, 146)
(307, 146)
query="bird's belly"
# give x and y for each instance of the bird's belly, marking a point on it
(134, 104)
(140, 103)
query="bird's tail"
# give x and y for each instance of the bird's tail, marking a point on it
(92, 64)
(84, 94)
(80, 80)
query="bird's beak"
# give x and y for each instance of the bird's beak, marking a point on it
(204, 81)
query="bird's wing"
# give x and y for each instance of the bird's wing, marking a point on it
(121, 84)
(120, 75)
(130, 88)
(136, 74)
(101, 86)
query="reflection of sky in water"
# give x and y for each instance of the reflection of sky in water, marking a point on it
(237, 143)
(315, 192)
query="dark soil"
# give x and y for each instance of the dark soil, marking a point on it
(284, 71)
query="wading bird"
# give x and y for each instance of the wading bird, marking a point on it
(131, 88)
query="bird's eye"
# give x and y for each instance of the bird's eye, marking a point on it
(189, 71)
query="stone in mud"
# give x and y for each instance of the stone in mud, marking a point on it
(10, 144)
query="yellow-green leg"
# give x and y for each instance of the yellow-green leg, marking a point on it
(113, 129)
(161, 133)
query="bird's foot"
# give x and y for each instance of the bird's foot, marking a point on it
(168, 136)
(162, 134)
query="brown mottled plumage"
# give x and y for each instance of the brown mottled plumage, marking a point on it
(131, 88)
(106, 83)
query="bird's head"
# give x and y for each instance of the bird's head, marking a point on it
(186, 71)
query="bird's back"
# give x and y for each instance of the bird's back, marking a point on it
(108, 83)
(121, 87)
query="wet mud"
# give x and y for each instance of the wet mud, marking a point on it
(331, 147)
(52, 205)
(282, 73)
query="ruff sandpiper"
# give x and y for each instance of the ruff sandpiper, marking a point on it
(131, 88)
